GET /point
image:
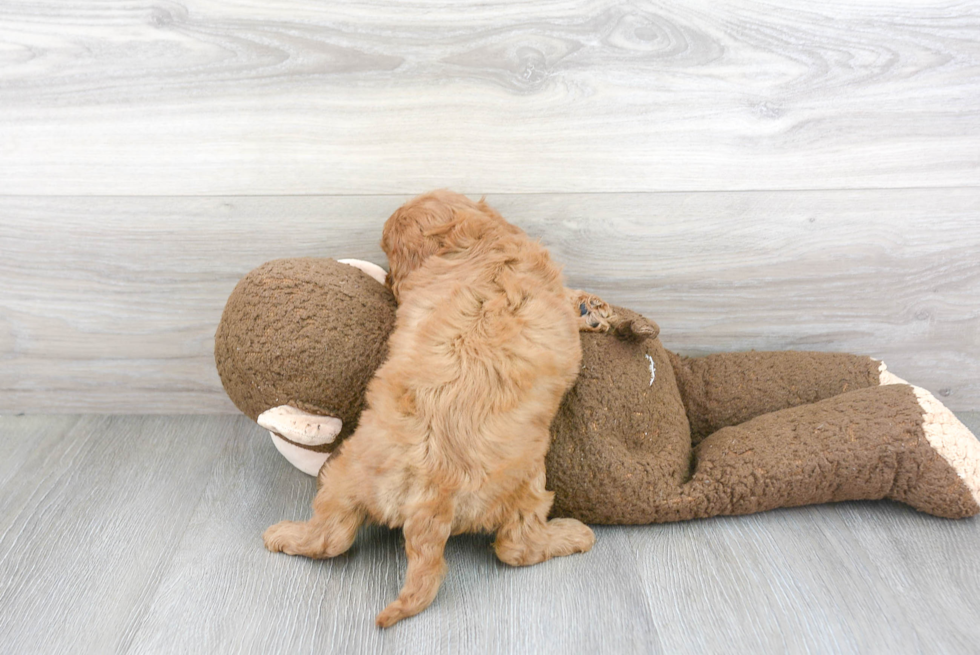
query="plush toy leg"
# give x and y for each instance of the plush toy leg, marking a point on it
(887, 377)
(892, 441)
(731, 388)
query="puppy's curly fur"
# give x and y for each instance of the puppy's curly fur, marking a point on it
(457, 426)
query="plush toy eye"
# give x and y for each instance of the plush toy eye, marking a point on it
(583, 310)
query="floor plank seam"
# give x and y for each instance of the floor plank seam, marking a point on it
(135, 626)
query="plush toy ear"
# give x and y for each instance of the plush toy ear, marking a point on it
(373, 270)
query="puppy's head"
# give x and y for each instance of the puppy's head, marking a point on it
(434, 223)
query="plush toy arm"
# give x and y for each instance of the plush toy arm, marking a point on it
(596, 315)
(731, 388)
(373, 270)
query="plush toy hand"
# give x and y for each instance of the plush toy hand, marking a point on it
(596, 315)
(633, 328)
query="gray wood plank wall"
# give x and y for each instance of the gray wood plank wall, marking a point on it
(793, 175)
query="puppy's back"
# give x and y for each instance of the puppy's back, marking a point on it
(483, 349)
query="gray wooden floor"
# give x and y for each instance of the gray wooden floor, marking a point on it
(141, 534)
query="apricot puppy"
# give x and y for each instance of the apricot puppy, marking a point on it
(456, 428)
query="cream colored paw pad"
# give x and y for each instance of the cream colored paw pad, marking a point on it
(951, 439)
(886, 376)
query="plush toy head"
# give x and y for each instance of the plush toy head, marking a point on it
(309, 333)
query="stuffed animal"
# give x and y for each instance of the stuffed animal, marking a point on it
(643, 436)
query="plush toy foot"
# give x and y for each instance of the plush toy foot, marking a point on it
(886, 376)
(947, 436)
(959, 449)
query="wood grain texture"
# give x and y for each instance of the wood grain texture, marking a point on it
(230, 595)
(199, 97)
(142, 535)
(118, 314)
(849, 578)
(89, 522)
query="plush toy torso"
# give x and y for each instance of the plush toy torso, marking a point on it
(621, 436)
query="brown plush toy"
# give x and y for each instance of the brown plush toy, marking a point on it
(644, 435)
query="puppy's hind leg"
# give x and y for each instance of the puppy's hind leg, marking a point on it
(337, 515)
(427, 530)
(527, 536)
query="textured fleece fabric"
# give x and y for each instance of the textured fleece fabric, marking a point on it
(305, 332)
(644, 435)
(731, 388)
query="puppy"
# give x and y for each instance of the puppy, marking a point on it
(456, 428)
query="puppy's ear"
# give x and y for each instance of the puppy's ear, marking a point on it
(405, 242)
(465, 230)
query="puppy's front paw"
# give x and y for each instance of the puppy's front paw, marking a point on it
(594, 313)
(284, 537)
